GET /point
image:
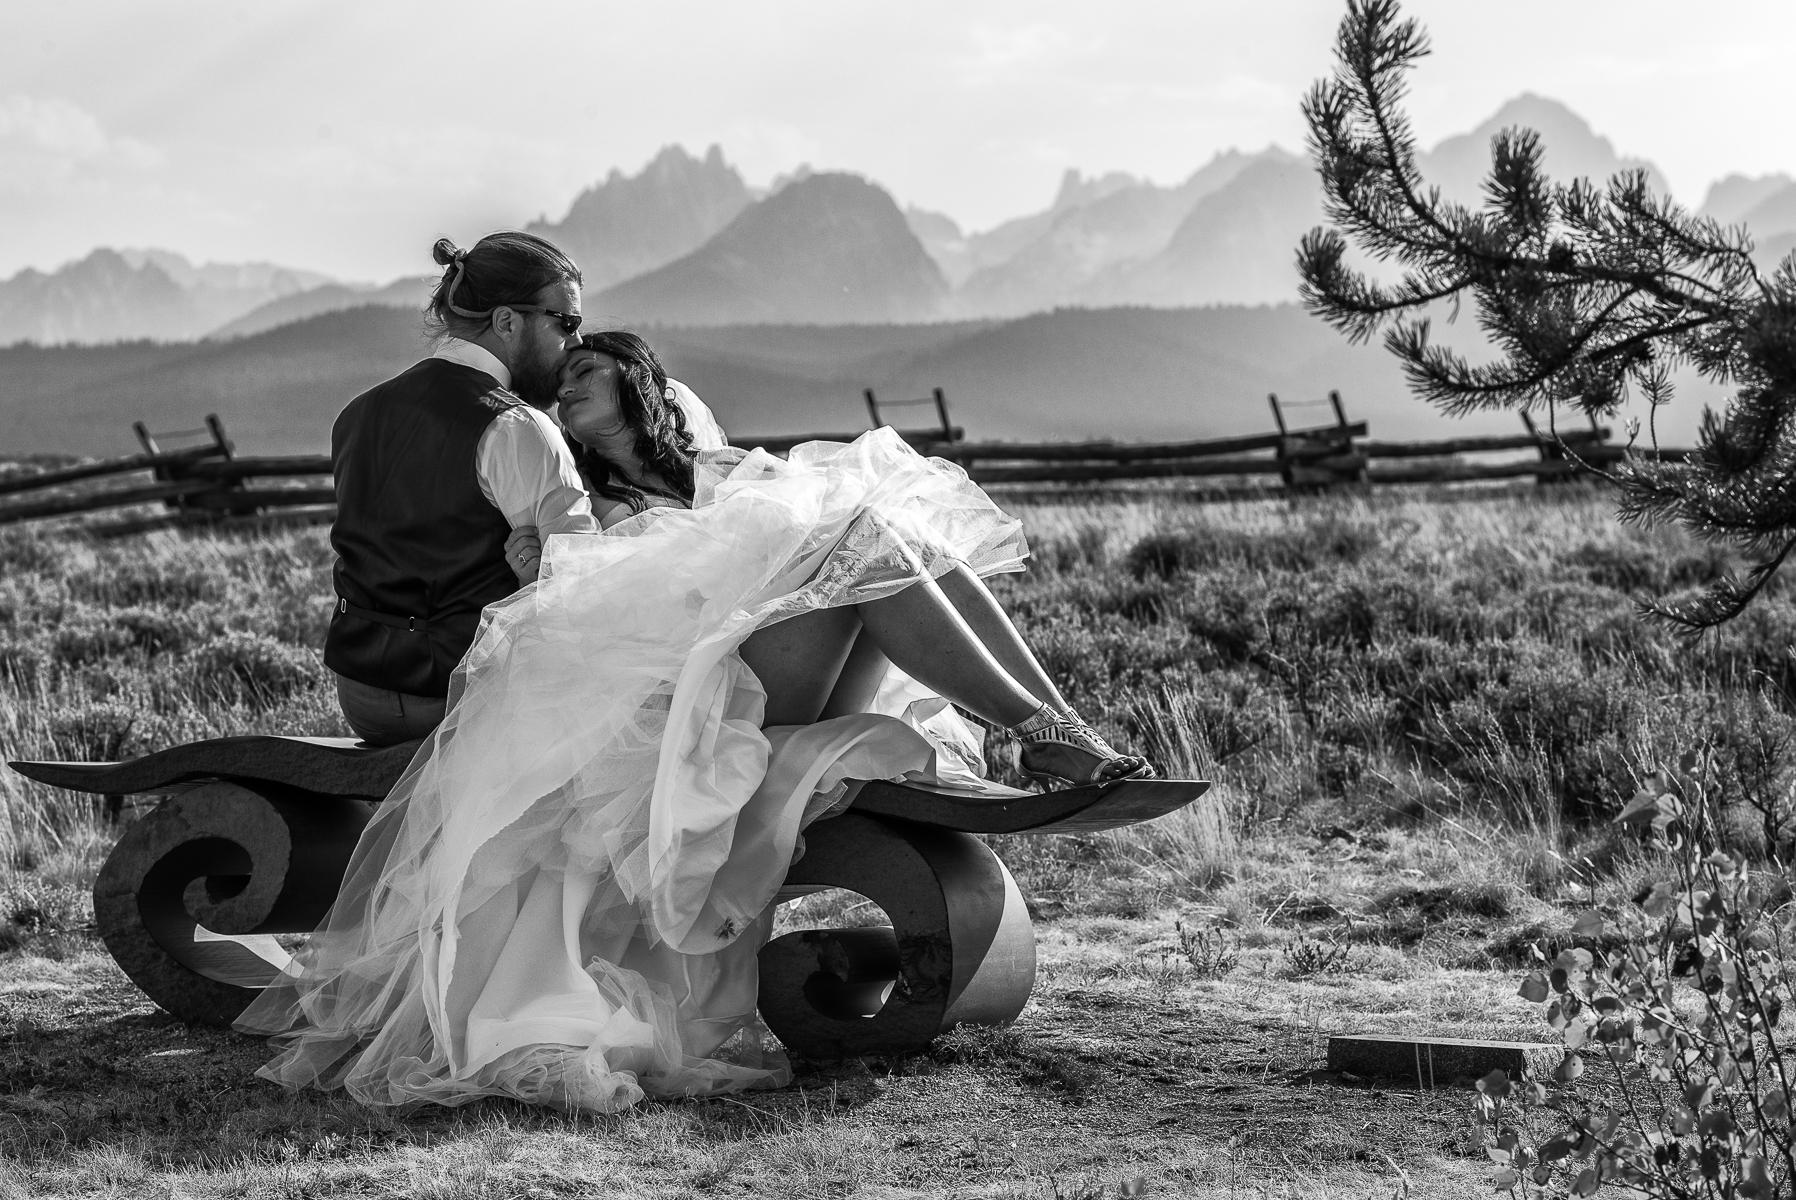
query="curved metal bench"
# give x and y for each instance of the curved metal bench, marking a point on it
(253, 835)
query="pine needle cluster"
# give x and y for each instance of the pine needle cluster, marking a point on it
(1588, 295)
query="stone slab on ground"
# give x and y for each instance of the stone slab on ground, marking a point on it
(1438, 1062)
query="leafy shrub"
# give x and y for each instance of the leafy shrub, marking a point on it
(1167, 554)
(252, 668)
(25, 663)
(150, 630)
(90, 641)
(92, 731)
(1210, 953)
(302, 618)
(1086, 550)
(1623, 567)
(1208, 720)
(1305, 957)
(1756, 780)
(1752, 649)
(1226, 612)
(1113, 660)
(1330, 612)
(1685, 1018)
(1324, 540)
(174, 582)
(38, 914)
(1147, 602)
(28, 552)
(1639, 566)
(1576, 720)
(1480, 898)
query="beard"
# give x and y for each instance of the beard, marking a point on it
(536, 381)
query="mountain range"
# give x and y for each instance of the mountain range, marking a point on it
(686, 242)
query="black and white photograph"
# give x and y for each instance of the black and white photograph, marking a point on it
(849, 601)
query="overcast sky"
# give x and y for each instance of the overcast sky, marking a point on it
(345, 135)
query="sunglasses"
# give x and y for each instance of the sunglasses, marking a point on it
(570, 322)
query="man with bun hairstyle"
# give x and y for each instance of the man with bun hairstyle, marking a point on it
(435, 467)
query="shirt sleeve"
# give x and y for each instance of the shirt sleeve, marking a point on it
(707, 434)
(526, 471)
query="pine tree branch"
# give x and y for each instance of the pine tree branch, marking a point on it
(1584, 293)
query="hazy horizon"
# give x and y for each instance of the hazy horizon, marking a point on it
(328, 135)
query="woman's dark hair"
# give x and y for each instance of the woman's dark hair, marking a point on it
(663, 441)
(502, 268)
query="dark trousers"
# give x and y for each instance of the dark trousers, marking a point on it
(385, 718)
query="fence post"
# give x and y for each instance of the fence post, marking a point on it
(916, 436)
(218, 436)
(1552, 450)
(1312, 460)
(220, 449)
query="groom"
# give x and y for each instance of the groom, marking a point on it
(433, 470)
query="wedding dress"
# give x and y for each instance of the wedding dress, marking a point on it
(563, 899)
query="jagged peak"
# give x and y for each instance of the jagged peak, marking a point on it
(809, 181)
(137, 256)
(1569, 144)
(1531, 108)
(1077, 188)
(1556, 122)
(798, 174)
(1730, 197)
(1234, 160)
(1770, 182)
(939, 223)
(676, 162)
(673, 152)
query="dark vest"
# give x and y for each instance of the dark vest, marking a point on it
(414, 537)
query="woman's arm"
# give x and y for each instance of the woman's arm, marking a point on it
(609, 511)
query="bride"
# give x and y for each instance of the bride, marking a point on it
(563, 898)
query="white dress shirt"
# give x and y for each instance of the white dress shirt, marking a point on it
(523, 466)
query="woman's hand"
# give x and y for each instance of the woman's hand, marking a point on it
(524, 553)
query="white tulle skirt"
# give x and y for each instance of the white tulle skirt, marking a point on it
(563, 899)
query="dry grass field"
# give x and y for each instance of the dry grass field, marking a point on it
(1421, 710)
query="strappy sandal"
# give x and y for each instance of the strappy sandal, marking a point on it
(1046, 727)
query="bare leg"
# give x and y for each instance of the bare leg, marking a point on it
(924, 635)
(798, 661)
(958, 642)
(992, 626)
(858, 684)
(828, 663)
(866, 665)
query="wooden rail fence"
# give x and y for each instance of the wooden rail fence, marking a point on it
(210, 484)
